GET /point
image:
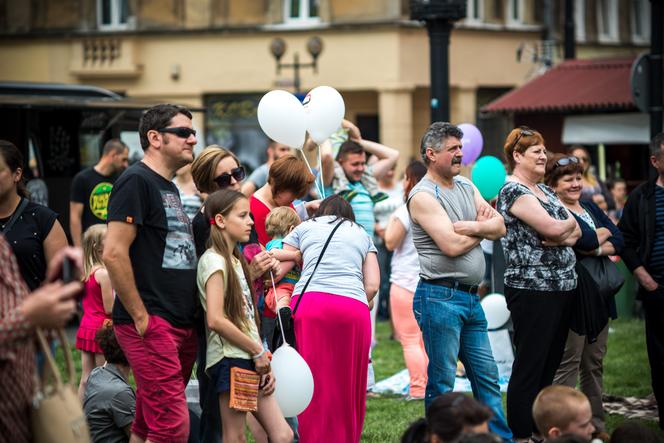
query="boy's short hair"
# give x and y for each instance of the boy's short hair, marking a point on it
(553, 408)
(279, 221)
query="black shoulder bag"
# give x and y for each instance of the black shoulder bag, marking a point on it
(284, 313)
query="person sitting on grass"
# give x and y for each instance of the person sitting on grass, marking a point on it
(449, 416)
(109, 402)
(559, 410)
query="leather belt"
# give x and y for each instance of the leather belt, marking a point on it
(453, 284)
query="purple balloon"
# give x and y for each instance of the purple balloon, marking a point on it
(472, 142)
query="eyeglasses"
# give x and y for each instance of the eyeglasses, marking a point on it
(224, 180)
(522, 131)
(180, 131)
(567, 161)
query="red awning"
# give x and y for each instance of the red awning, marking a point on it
(573, 85)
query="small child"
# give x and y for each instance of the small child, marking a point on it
(559, 410)
(278, 224)
(97, 303)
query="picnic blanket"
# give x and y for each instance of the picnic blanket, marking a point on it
(631, 407)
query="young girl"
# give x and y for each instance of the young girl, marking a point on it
(227, 299)
(97, 302)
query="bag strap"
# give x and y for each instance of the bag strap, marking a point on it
(69, 361)
(15, 215)
(306, 285)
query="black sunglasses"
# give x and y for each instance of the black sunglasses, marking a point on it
(522, 131)
(224, 180)
(567, 161)
(180, 131)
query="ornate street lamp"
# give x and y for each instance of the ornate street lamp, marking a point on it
(439, 16)
(314, 48)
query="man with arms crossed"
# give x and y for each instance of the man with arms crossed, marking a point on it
(92, 186)
(150, 257)
(450, 218)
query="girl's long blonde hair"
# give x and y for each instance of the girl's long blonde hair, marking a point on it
(222, 202)
(93, 247)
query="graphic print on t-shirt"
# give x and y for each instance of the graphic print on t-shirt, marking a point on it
(179, 252)
(99, 199)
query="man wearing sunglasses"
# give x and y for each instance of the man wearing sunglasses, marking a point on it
(150, 256)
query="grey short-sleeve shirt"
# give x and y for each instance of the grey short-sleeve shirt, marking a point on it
(109, 405)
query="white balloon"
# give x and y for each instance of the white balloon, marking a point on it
(495, 310)
(325, 109)
(282, 118)
(294, 381)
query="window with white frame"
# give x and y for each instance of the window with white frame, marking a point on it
(607, 20)
(580, 20)
(301, 11)
(640, 21)
(475, 11)
(515, 15)
(112, 14)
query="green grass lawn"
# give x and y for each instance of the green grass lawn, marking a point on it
(626, 373)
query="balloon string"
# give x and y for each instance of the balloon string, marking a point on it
(309, 166)
(281, 325)
(320, 172)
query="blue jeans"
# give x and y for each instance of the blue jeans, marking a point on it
(453, 324)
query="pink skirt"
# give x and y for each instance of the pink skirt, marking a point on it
(85, 337)
(333, 336)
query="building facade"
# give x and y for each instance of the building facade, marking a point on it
(215, 54)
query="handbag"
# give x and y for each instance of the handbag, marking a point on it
(285, 317)
(57, 415)
(604, 274)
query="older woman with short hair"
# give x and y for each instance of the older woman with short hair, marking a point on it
(289, 179)
(600, 238)
(539, 274)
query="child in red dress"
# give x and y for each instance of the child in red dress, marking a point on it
(97, 302)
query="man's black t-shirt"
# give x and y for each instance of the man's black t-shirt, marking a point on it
(92, 189)
(162, 255)
(26, 237)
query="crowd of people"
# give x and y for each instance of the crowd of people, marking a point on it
(184, 262)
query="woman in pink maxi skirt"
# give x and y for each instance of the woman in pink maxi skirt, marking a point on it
(332, 320)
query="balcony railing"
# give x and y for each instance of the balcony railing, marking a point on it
(107, 57)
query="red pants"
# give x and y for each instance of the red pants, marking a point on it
(161, 361)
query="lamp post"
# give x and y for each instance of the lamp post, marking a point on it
(439, 16)
(314, 48)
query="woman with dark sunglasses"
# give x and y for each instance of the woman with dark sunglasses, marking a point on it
(539, 274)
(600, 238)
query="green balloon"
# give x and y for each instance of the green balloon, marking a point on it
(489, 176)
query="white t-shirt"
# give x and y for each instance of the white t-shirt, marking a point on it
(217, 346)
(340, 270)
(405, 270)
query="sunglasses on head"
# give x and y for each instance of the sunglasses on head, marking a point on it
(567, 161)
(224, 180)
(180, 131)
(522, 131)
